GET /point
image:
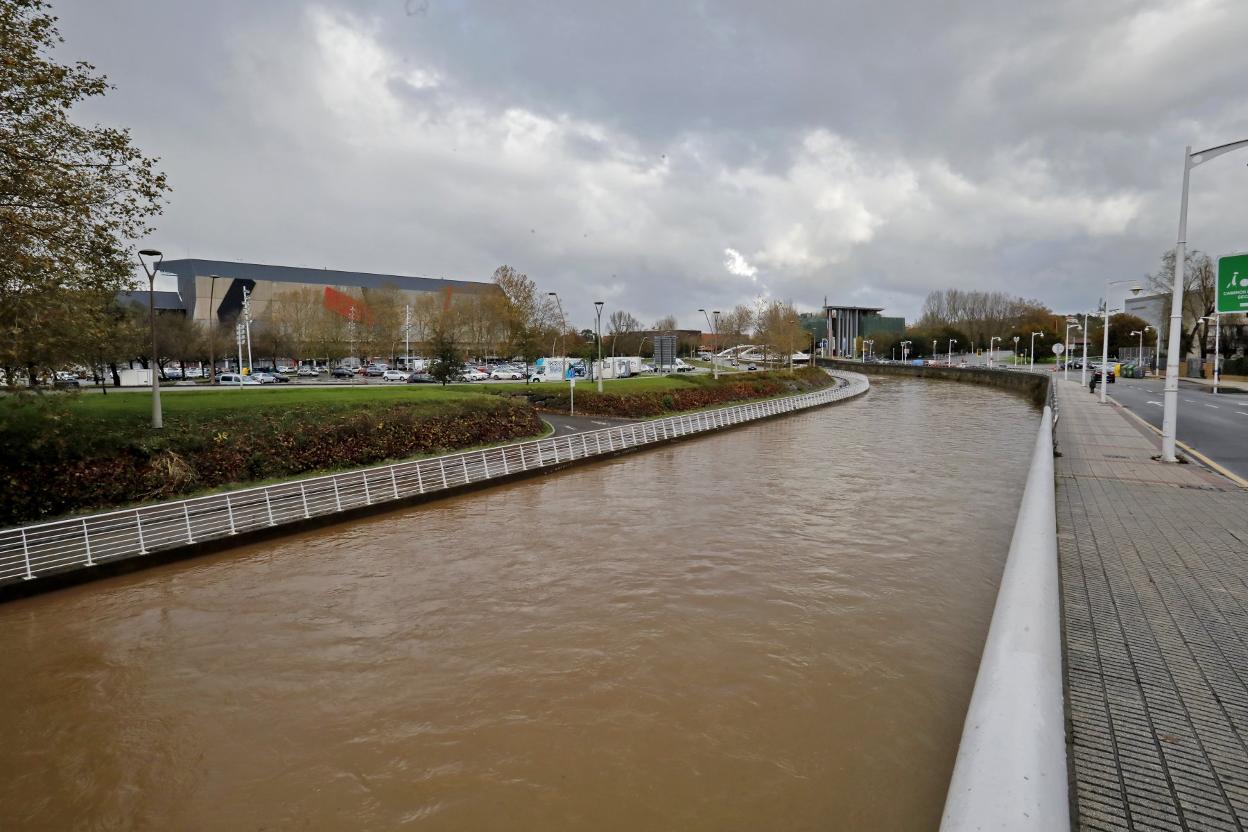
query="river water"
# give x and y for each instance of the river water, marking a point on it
(776, 627)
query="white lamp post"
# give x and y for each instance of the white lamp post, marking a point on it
(992, 353)
(158, 419)
(1217, 345)
(1070, 324)
(1170, 417)
(949, 360)
(1135, 290)
(598, 337)
(1016, 350)
(905, 351)
(714, 342)
(1033, 349)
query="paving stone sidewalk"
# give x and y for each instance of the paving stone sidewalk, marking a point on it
(1154, 568)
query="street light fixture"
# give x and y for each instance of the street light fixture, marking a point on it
(1033, 349)
(158, 420)
(1139, 355)
(563, 338)
(1170, 412)
(991, 350)
(949, 360)
(1016, 350)
(598, 337)
(905, 350)
(1135, 290)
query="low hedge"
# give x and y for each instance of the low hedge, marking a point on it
(702, 392)
(73, 467)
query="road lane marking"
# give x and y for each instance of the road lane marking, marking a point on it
(1156, 403)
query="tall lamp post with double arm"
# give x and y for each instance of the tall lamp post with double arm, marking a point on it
(1033, 349)
(714, 341)
(598, 337)
(158, 420)
(1170, 411)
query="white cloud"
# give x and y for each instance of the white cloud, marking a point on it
(736, 264)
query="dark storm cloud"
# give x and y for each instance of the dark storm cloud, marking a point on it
(861, 151)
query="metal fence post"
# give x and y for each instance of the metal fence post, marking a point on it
(86, 539)
(420, 481)
(463, 461)
(368, 499)
(394, 483)
(303, 495)
(442, 468)
(337, 497)
(26, 556)
(524, 463)
(229, 507)
(268, 505)
(186, 515)
(504, 454)
(138, 524)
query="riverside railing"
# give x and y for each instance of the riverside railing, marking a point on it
(1011, 770)
(29, 552)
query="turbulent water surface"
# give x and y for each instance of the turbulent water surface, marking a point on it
(775, 627)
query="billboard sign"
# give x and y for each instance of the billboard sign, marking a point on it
(1232, 284)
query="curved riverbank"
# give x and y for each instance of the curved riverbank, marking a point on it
(46, 555)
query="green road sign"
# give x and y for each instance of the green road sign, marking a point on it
(1233, 284)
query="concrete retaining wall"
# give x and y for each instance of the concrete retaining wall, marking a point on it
(1034, 386)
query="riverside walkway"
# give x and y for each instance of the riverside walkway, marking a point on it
(1154, 572)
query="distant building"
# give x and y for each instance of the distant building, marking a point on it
(213, 289)
(1154, 310)
(849, 323)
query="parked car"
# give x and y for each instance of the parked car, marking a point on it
(421, 378)
(751, 368)
(473, 374)
(394, 375)
(1108, 374)
(343, 372)
(506, 374)
(235, 379)
(67, 382)
(310, 372)
(376, 370)
(173, 372)
(682, 367)
(264, 378)
(193, 372)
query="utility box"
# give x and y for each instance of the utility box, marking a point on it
(136, 378)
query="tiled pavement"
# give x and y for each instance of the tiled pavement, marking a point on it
(1154, 566)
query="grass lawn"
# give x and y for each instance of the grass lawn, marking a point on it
(136, 406)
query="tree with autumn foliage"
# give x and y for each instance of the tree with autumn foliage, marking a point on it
(73, 199)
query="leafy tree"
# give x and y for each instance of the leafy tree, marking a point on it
(667, 322)
(70, 196)
(448, 361)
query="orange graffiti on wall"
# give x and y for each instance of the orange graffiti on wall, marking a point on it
(342, 304)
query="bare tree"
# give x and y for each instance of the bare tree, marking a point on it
(1199, 296)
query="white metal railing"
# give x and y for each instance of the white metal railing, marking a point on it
(1011, 770)
(28, 552)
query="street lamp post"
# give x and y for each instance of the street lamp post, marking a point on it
(1066, 363)
(1135, 290)
(1016, 350)
(238, 338)
(212, 330)
(949, 360)
(992, 353)
(247, 318)
(1217, 344)
(1139, 355)
(905, 351)
(1170, 412)
(1033, 349)
(1083, 365)
(158, 420)
(563, 329)
(598, 337)
(714, 341)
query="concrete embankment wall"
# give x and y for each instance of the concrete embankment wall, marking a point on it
(1033, 385)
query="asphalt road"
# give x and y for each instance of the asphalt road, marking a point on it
(1217, 426)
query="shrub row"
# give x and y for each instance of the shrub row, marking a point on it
(729, 388)
(54, 475)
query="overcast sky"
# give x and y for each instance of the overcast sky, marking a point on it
(666, 156)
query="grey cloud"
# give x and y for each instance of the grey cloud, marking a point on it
(862, 150)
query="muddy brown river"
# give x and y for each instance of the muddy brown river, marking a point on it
(776, 627)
